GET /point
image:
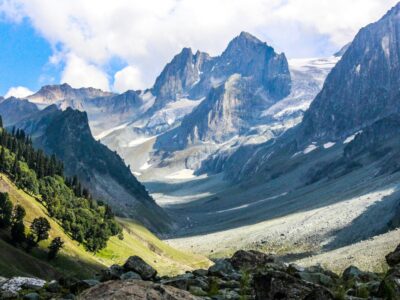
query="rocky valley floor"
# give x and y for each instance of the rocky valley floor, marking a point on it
(335, 223)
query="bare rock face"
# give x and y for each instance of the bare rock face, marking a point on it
(179, 76)
(363, 86)
(135, 289)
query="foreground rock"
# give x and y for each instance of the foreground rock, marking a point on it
(249, 275)
(135, 289)
(139, 266)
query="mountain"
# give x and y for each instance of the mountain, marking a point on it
(363, 87)
(14, 110)
(67, 135)
(248, 56)
(64, 93)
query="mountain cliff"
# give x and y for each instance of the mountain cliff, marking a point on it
(363, 87)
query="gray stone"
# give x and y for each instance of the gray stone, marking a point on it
(112, 273)
(251, 259)
(32, 296)
(200, 272)
(53, 286)
(317, 278)
(9, 295)
(393, 258)
(221, 267)
(131, 275)
(138, 265)
(17, 283)
(197, 291)
(351, 272)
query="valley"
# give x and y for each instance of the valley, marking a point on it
(236, 175)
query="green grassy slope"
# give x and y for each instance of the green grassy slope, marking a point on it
(74, 260)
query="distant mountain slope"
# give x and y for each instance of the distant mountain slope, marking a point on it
(67, 135)
(53, 94)
(14, 110)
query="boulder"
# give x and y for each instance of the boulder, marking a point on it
(15, 284)
(197, 291)
(138, 265)
(393, 258)
(200, 272)
(222, 268)
(114, 272)
(32, 296)
(53, 286)
(351, 272)
(280, 285)
(185, 281)
(135, 289)
(3, 280)
(9, 295)
(251, 259)
(82, 285)
(390, 285)
(131, 275)
(354, 273)
(317, 278)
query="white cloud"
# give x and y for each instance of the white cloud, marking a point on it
(146, 34)
(78, 73)
(18, 92)
(129, 78)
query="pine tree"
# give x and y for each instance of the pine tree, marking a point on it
(3, 163)
(1, 122)
(6, 208)
(54, 247)
(40, 227)
(18, 233)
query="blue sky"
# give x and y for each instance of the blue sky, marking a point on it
(124, 44)
(24, 57)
